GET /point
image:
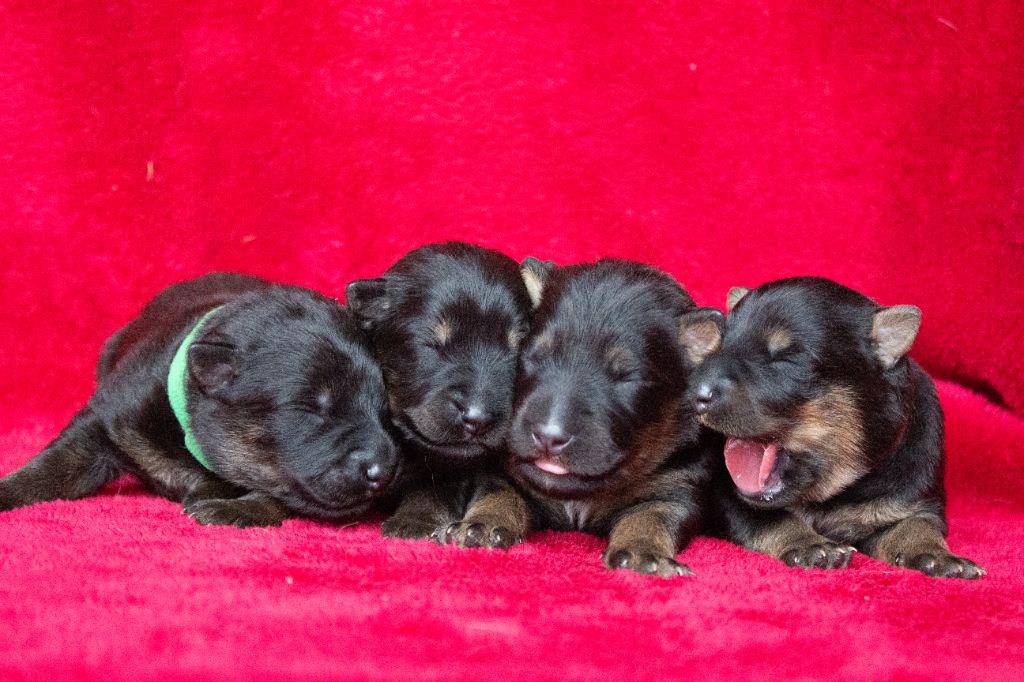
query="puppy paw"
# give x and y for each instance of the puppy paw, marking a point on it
(407, 528)
(940, 564)
(238, 513)
(645, 563)
(818, 555)
(470, 534)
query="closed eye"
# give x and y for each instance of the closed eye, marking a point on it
(625, 375)
(310, 410)
(790, 353)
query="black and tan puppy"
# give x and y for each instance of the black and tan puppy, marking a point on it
(602, 440)
(446, 322)
(246, 401)
(835, 436)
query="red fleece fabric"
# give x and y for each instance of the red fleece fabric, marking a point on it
(313, 142)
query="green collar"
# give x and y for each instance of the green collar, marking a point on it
(177, 391)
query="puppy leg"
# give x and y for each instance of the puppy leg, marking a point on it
(647, 537)
(204, 504)
(420, 514)
(76, 464)
(497, 518)
(784, 536)
(917, 543)
(203, 496)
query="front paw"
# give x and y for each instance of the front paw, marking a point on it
(645, 563)
(407, 528)
(824, 554)
(238, 513)
(472, 534)
(940, 564)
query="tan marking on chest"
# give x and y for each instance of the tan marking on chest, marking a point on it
(578, 514)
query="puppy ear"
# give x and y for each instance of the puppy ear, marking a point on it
(212, 366)
(535, 275)
(734, 296)
(700, 333)
(368, 300)
(893, 330)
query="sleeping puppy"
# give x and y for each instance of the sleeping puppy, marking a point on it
(245, 401)
(835, 436)
(602, 440)
(446, 322)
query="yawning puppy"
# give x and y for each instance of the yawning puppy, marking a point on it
(446, 322)
(603, 440)
(245, 401)
(835, 436)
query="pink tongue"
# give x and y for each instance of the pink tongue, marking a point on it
(750, 463)
(551, 466)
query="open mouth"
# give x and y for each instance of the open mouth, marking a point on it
(755, 465)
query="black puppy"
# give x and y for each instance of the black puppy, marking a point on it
(602, 439)
(243, 400)
(835, 435)
(446, 322)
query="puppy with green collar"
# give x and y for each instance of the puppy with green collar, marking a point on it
(246, 401)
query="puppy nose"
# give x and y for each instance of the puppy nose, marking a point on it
(475, 419)
(551, 438)
(374, 472)
(705, 396)
(374, 476)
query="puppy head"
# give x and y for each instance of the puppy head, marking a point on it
(287, 400)
(447, 321)
(806, 384)
(601, 377)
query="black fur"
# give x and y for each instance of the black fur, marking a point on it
(284, 398)
(446, 322)
(599, 397)
(790, 348)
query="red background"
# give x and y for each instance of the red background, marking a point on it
(878, 143)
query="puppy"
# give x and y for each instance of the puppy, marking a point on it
(835, 436)
(602, 440)
(446, 322)
(245, 401)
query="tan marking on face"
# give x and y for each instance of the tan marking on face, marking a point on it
(619, 359)
(250, 465)
(831, 427)
(778, 340)
(655, 443)
(699, 338)
(442, 331)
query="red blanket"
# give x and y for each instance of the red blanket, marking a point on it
(881, 144)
